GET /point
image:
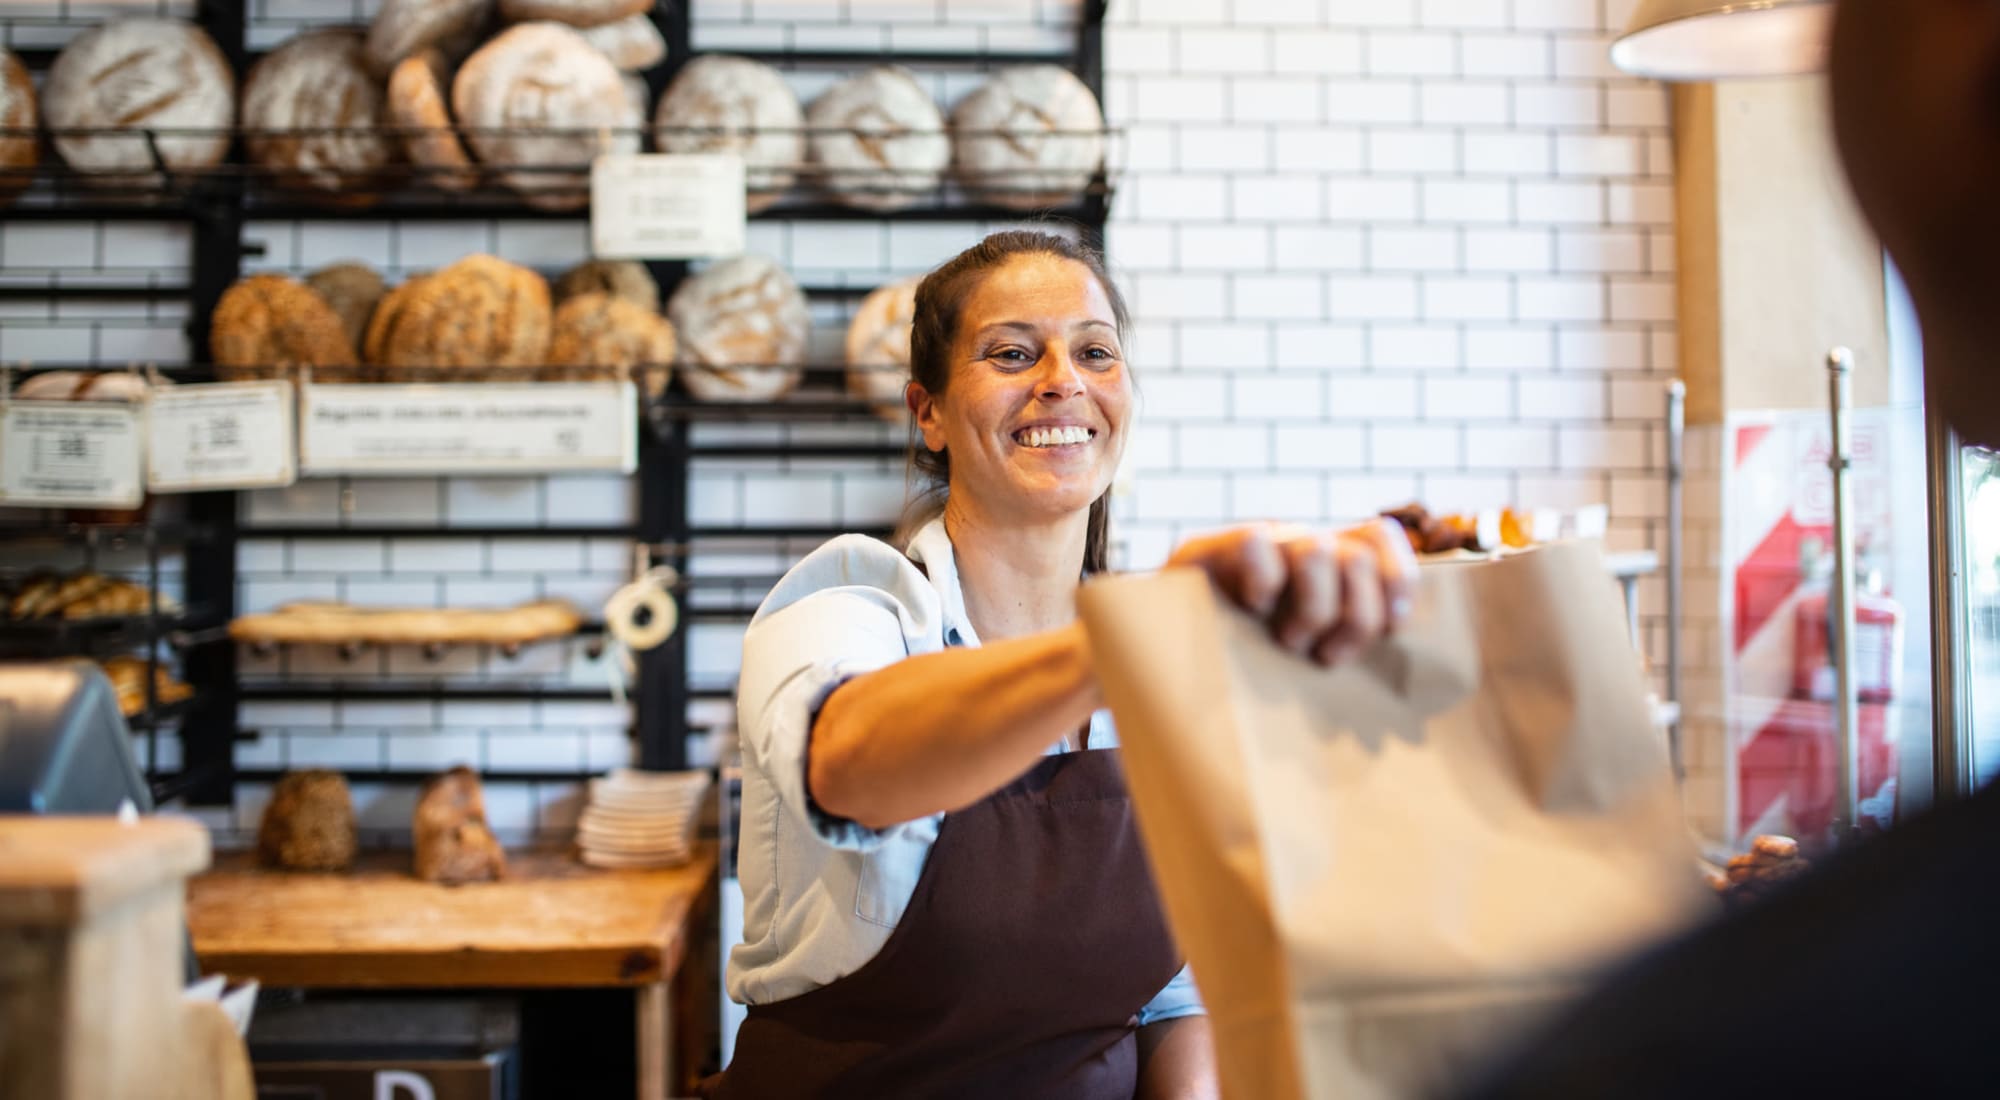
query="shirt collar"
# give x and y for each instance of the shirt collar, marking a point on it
(931, 547)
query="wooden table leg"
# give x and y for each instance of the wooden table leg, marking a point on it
(655, 1041)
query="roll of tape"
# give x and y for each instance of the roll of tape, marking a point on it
(643, 614)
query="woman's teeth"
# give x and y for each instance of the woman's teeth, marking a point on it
(1052, 437)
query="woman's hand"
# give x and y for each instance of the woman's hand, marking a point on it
(1327, 595)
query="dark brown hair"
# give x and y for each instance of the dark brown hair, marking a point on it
(940, 300)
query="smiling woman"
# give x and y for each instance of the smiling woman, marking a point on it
(944, 891)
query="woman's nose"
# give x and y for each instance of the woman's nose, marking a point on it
(1059, 376)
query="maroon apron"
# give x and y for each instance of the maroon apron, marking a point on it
(1032, 940)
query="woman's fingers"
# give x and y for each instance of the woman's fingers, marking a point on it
(1395, 564)
(1311, 604)
(1245, 563)
(1364, 613)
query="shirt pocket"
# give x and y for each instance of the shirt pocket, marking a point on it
(888, 880)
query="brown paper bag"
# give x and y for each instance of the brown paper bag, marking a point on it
(1382, 872)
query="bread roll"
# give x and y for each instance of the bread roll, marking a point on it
(309, 823)
(576, 13)
(723, 104)
(383, 323)
(742, 325)
(453, 842)
(406, 28)
(601, 336)
(140, 74)
(1030, 137)
(19, 151)
(417, 107)
(270, 321)
(539, 98)
(878, 347)
(625, 279)
(352, 290)
(633, 44)
(480, 315)
(83, 385)
(313, 116)
(878, 139)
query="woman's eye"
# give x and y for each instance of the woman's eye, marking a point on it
(1011, 355)
(1099, 355)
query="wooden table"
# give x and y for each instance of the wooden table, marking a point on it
(552, 923)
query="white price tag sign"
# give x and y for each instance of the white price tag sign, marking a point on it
(666, 206)
(71, 453)
(230, 435)
(469, 428)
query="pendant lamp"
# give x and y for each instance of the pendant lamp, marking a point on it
(1684, 40)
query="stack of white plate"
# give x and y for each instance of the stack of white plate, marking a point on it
(641, 819)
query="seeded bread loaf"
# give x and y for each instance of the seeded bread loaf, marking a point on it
(160, 75)
(309, 823)
(266, 324)
(625, 279)
(723, 104)
(481, 316)
(878, 140)
(352, 290)
(742, 325)
(601, 336)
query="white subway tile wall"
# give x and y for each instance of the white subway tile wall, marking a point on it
(1377, 250)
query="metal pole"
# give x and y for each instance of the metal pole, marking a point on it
(1951, 702)
(1676, 515)
(1840, 367)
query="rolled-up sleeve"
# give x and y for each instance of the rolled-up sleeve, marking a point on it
(795, 654)
(1179, 998)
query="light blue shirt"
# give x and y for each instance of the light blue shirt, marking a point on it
(821, 894)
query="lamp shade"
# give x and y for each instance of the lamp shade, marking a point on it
(1719, 39)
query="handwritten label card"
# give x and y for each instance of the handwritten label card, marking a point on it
(71, 454)
(667, 206)
(231, 435)
(471, 428)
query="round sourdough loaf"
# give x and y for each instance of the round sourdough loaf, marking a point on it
(352, 290)
(627, 279)
(312, 116)
(723, 104)
(632, 43)
(1030, 137)
(742, 325)
(878, 347)
(417, 107)
(267, 324)
(597, 335)
(878, 139)
(19, 149)
(406, 28)
(482, 316)
(576, 13)
(134, 75)
(537, 104)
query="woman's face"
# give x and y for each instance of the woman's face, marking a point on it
(1034, 417)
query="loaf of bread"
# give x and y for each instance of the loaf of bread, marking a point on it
(313, 117)
(352, 290)
(878, 139)
(83, 385)
(742, 325)
(160, 75)
(625, 279)
(406, 28)
(878, 347)
(723, 104)
(1030, 137)
(576, 13)
(341, 624)
(599, 336)
(19, 117)
(309, 823)
(267, 324)
(633, 43)
(537, 104)
(481, 316)
(417, 107)
(453, 842)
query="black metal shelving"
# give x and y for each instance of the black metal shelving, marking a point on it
(678, 432)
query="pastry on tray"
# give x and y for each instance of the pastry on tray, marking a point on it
(128, 678)
(1771, 862)
(342, 624)
(80, 596)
